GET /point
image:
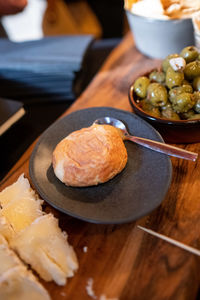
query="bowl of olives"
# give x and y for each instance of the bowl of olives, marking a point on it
(169, 97)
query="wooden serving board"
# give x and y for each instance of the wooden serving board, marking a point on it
(124, 262)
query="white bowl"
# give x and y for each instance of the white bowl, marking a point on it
(158, 38)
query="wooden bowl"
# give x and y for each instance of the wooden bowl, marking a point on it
(181, 131)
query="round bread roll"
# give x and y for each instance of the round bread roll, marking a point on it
(90, 156)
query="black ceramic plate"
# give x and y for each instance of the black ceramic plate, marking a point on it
(133, 193)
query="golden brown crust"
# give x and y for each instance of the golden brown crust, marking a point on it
(90, 156)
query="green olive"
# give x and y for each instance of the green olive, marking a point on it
(187, 88)
(140, 86)
(157, 76)
(196, 96)
(166, 64)
(174, 78)
(183, 103)
(185, 82)
(167, 112)
(149, 108)
(189, 53)
(197, 107)
(174, 92)
(192, 70)
(187, 115)
(157, 94)
(195, 116)
(196, 83)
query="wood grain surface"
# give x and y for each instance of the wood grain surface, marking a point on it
(124, 262)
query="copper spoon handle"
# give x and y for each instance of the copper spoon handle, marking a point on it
(163, 148)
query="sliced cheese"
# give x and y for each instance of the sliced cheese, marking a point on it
(16, 282)
(19, 284)
(21, 212)
(45, 248)
(34, 235)
(6, 229)
(8, 259)
(17, 190)
(3, 240)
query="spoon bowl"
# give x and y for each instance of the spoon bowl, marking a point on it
(153, 145)
(111, 121)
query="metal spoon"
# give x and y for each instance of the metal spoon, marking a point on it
(153, 145)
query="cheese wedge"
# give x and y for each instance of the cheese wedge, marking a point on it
(45, 248)
(21, 212)
(6, 229)
(21, 188)
(34, 235)
(19, 284)
(8, 259)
(3, 240)
(16, 282)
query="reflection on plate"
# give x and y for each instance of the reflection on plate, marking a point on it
(133, 193)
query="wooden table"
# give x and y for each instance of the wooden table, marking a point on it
(123, 261)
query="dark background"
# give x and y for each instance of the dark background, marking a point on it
(39, 115)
